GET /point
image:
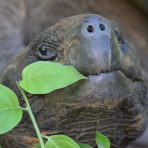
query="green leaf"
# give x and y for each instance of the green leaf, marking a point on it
(102, 141)
(61, 141)
(81, 145)
(44, 77)
(37, 146)
(10, 110)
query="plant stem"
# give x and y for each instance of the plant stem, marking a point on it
(24, 109)
(29, 110)
(46, 137)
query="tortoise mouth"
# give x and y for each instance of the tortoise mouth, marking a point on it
(101, 74)
(106, 85)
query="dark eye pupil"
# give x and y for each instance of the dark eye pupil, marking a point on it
(102, 27)
(90, 28)
(43, 51)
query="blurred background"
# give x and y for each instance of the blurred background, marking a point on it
(22, 20)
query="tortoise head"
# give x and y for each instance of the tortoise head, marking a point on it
(112, 100)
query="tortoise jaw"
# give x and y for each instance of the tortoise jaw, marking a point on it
(99, 75)
(108, 86)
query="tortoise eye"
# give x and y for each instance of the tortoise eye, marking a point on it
(45, 53)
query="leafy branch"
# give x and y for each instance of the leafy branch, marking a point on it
(41, 78)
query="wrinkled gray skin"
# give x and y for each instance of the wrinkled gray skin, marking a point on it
(113, 98)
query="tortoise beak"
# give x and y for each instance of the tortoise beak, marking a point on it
(96, 49)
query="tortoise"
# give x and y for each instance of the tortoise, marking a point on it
(113, 98)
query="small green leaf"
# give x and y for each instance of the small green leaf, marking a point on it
(37, 146)
(81, 145)
(44, 77)
(10, 110)
(102, 141)
(61, 141)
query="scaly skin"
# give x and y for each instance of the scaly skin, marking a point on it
(113, 98)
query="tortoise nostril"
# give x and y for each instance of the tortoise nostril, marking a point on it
(90, 28)
(102, 27)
